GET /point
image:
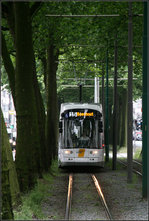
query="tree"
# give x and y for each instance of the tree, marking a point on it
(28, 144)
(35, 120)
(52, 105)
(7, 211)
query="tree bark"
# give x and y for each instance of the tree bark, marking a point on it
(41, 124)
(28, 144)
(52, 106)
(124, 119)
(7, 212)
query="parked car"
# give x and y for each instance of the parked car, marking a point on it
(137, 135)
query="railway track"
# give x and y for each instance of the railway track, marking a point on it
(137, 162)
(137, 166)
(136, 171)
(100, 196)
(69, 197)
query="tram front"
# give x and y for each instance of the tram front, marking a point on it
(81, 140)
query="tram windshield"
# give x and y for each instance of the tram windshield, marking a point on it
(81, 128)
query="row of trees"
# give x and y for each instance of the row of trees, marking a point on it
(35, 50)
(36, 133)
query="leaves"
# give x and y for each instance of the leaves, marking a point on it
(79, 39)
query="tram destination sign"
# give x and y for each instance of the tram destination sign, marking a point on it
(79, 114)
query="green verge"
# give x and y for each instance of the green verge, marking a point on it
(31, 201)
(121, 171)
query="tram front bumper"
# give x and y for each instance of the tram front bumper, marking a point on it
(81, 162)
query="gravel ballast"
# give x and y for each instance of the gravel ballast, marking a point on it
(124, 200)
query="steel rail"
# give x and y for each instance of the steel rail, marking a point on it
(134, 161)
(69, 197)
(135, 171)
(101, 196)
(137, 162)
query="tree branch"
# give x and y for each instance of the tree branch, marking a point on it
(8, 67)
(4, 10)
(35, 7)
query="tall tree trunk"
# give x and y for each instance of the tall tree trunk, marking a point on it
(41, 124)
(7, 212)
(52, 106)
(13, 179)
(8, 67)
(28, 144)
(122, 118)
(11, 75)
(123, 141)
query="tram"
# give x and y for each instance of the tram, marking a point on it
(81, 138)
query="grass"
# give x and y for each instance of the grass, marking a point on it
(137, 154)
(31, 202)
(108, 165)
(134, 183)
(122, 149)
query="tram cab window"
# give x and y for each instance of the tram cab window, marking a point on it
(60, 127)
(81, 128)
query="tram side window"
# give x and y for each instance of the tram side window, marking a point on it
(100, 128)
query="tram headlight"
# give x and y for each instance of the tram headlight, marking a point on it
(10, 141)
(95, 152)
(14, 143)
(68, 152)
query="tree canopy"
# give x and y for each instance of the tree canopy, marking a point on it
(84, 40)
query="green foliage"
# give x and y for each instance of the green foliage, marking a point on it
(70, 34)
(137, 154)
(134, 184)
(40, 78)
(4, 78)
(31, 202)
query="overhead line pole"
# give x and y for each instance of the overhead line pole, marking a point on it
(115, 109)
(145, 103)
(107, 111)
(130, 107)
(80, 90)
(147, 163)
(103, 95)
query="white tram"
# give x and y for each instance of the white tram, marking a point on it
(81, 138)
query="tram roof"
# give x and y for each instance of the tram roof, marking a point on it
(70, 106)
